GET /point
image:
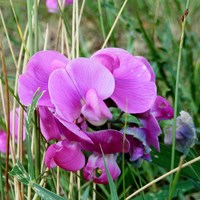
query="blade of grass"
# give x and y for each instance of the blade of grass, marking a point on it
(101, 20)
(30, 30)
(8, 38)
(1, 181)
(29, 127)
(177, 96)
(114, 24)
(36, 25)
(7, 118)
(19, 28)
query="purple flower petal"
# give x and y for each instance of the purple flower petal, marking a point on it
(95, 169)
(151, 128)
(68, 87)
(49, 156)
(135, 90)
(95, 110)
(2, 141)
(139, 149)
(111, 141)
(75, 133)
(66, 155)
(134, 96)
(39, 68)
(64, 95)
(88, 74)
(147, 64)
(51, 127)
(52, 5)
(161, 109)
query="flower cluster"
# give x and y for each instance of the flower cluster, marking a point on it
(75, 109)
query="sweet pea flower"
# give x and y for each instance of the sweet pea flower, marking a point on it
(139, 150)
(81, 88)
(36, 76)
(111, 143)
(135, 88)
(66, 155)
(95, 169)
(186, 135)
(160, 110)
(52, 5)
(2, 141)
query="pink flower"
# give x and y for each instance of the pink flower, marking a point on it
(66, 155)
(38, 70)
(95, 169)
(81, 88)
(52, 5)
(2, 141)
(160, 110)
(135, 89)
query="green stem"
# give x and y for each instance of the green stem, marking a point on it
(37, 148)
(176, 100)
(123, 158)
(29, 10)
(36, 24)
(1, 182)
(101, 19)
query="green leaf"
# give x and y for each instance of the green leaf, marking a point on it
(163, 159)
(113, 190)
(85, 195)
(20, 173)
(45, 194)
(29, 126)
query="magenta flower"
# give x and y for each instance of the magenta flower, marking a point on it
(135, 89)
(80, 88)
(160, 110)
(111, 142)
(38, 70)
(66, 155)
(95, 169)
(139, 150)
(52, 5)
(2, 141)
(51, 127)
(151, 128)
